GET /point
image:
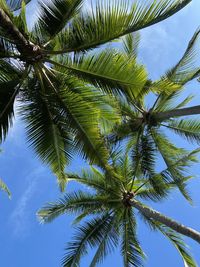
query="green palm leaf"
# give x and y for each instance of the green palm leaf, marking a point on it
(107, 22)
(94, 179)
(7, 49)
(144, 154)
(55, 14)
(91, 233)
(178, 242)
(131, 43)
(189, 129)
(130, 248)
(167, 102)
(180, 156)
(9, 79)
(75, 109)
(78, 202)
(15, 5)
(7, 92)
(4, 187)
(107, 70)
(50, 139)
(20, 20)
(185, 70)
(87, 133)
(108, 244)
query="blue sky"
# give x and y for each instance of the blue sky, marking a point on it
(25, 242)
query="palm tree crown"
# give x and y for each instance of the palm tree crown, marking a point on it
(113, 203)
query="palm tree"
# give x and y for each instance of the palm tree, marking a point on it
(43, 68)
(109, 208)
(144, 128)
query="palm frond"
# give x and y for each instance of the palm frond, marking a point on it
(131, 43)
(108, 244)
(161, 184)
(107, 69)
(20, 20)
(70, 113)
(94, 179)
(171, 155)
(105, 104)
(130, 248)
(75, 109)
(15, 5)
(87, 137)
(107, 22)
(144, 152)
(7, 92)
(91, 233)
(183, 103)
(9, 79)
(185, 70)
(7, 49)
(165, 147)
(77, 203)
(167, 102)
(4, 187)
(125, 130)
(50, 139)
(55, 14)
(179, 244)
(155, 190)
(189, 129)
(164, 86)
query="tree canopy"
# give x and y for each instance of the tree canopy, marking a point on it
(79, 87)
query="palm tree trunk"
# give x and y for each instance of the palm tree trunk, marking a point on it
(157, 216)
(13, 32)
(178, 113)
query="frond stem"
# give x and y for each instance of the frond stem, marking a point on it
(140, 187)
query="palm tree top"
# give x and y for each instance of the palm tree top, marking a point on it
(113, 204)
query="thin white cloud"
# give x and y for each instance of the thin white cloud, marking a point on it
(20, 219)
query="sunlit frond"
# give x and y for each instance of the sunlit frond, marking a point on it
(185, 70)
(189, 129)
(131, 43)
(108, 21)
(106, 69)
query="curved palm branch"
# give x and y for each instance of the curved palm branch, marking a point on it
(4, 188)
(185, 70)
(176, 240)
(91, 29)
